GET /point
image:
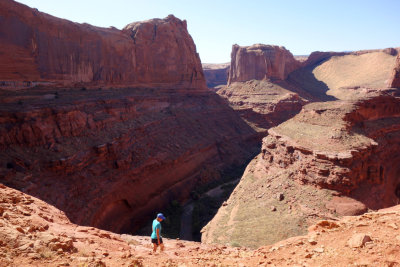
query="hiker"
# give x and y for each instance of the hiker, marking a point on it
(156, 238)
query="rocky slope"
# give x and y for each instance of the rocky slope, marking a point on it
(262, 104)
(38, 48)
(109, 156)
(323, 73)
(216, 74)
(332, 159)
(34, 233)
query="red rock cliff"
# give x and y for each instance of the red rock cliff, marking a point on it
(260, 62)
(333, 159)
(110, 156)
(38, 48)
(351, 147)
(395, 79)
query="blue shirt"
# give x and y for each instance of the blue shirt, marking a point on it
(156, 225)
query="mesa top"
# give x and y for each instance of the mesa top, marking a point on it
(156, 225)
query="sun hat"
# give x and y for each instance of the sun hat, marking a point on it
(161, 216)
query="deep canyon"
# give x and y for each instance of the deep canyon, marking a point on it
(102, 128)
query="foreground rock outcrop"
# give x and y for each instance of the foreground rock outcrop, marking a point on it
(37, 48)
(110, 155)
(33, 233)
(332, 159)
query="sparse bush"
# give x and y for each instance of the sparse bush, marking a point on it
(235, 244)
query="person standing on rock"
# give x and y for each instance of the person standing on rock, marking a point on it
(156, 238)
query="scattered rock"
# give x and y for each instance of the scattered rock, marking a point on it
(312, 241)
(280, 196)
(358, 240)
(308, 256)
(319, 250)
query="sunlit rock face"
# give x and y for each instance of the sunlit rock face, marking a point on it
(260, 62)
(39, 48)
(395, 79)
(333, 159)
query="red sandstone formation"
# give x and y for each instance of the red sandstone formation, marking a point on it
(37, 48)
(260, 62)
(216, 74)
(333, 158)
(395, 79)
(110, 157)
(356, 155)
(263, 104)
(256, 88)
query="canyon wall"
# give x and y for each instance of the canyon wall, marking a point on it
(38, 48)
(111, 158)
(256, 86)
(260, 62)
(395, 79)
(332, 159)
(139, 131)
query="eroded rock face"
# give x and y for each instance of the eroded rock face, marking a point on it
(113, 154)
(357, 157)
(112, 158)
(263, 104)
(260, 62)
(256, 88)
(37, 48)
(332, 159)
(395, 79)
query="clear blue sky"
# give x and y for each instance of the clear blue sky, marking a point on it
(302, 26)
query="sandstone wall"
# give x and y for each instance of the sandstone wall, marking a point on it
(332, 159)
(112, 158)
(145, 131)
(260, 62)
(395, 79)
(37, 47)
(358, 157)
